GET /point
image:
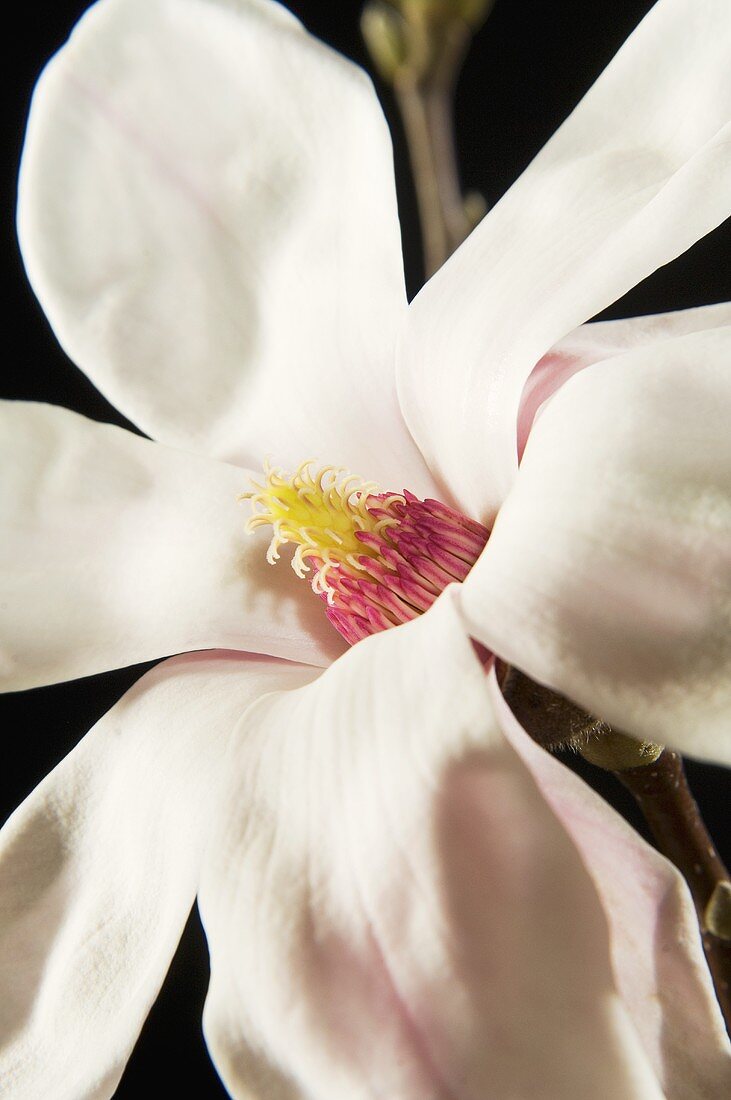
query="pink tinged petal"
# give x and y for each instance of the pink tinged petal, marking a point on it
(600, 340)
(392, 908)
(99, 869)
(636, 175)
(657, 955)
(608, 572)
(117, 550)
(208, 216)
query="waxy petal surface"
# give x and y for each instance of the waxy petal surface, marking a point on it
(99, 869)
(208, 216)
(657, 955)
(117, 550)
(637, 174)
(608, 572)
(601, 340)
(392, 908)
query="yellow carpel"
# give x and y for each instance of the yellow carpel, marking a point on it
(320, 514)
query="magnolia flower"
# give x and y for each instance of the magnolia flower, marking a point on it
(403, 895)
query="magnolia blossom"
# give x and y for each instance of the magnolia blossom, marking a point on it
(403, 896)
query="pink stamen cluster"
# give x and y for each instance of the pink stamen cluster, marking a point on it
(428, 547)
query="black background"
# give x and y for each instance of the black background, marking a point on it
(529, 66)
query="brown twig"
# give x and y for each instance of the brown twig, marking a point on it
(662, 793)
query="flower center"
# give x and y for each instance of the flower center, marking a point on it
(378, 559)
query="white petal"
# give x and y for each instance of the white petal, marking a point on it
(601, 340)
(608, 573)
(117, 550)
(393, 910)
(637, 174)
(657, 954)
(208, 216)
(99, 868)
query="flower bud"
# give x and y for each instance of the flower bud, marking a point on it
(617, 752)
(717, 914)
(384, 33)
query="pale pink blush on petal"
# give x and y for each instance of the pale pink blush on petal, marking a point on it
(607, 575)
(547, 376)
(388, 889)
(601, 340)
(657, 957)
